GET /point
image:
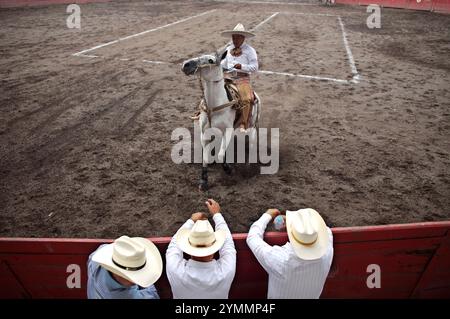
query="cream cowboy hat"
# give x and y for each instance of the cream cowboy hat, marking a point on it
(307, 233)
(200, 240)
(135, 259)
(238, 29)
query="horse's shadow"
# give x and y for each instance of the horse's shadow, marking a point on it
(240, 172)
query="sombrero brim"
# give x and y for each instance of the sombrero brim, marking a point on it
(319, 247)
(244, 33)
(144, 277)
(183, 243)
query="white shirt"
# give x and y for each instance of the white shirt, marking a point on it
(248, 59)
(190, 279)
(289, 276)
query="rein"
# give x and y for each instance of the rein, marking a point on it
(204, 107)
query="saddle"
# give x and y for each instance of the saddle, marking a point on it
(233, 95)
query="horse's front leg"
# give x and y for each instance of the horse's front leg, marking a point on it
(203, 184)
(223, 149)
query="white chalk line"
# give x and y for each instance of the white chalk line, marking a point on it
(268, 2)
(266, 20)
(141, 33)
(356, 76)
(309, 14)
(304, 76)
(349, 53)
(125, 59)
(157, 62)
(355, 79)
(81, 54)
(88, 55)
(254, 28)
(310, 77)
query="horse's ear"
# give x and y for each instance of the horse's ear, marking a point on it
(224, 54)
(221, 53)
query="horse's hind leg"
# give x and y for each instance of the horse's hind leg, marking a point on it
(226, 167)
(203, 185)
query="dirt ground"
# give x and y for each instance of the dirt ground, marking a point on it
(85, 143)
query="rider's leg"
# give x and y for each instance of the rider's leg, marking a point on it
(246, 94)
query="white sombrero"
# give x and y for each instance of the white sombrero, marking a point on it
(200, 240)
(307, 233)
(135, 259)
(238, 29)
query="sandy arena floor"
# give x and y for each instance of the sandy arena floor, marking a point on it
(85, 141)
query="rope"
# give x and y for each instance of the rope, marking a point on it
(208, 111)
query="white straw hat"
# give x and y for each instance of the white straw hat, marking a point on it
(135, 259)
(200, 240)
(307, 233)
(238, 29)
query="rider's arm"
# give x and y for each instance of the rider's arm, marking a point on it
(252, 65)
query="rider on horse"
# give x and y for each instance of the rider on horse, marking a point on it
(238, 64)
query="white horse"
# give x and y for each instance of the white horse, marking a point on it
(219, 112)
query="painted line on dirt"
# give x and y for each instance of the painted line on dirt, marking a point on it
(89, 56)
(252, 29)
(156, 62)
(349, 53)
(310, 77)
(355, 78)
(125, 59)
(310, 14)
(141, 33)
(261, 23)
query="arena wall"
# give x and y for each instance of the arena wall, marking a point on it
(427, 5)
(413, 261)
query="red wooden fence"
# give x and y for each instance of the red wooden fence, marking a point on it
(414, 260)
(428, 5)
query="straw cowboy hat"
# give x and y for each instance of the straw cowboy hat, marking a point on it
(238, 29)
(200, 240)
(135, 259)
(307, 233)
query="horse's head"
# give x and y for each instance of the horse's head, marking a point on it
(191, 66)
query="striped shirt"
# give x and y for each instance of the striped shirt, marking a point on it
(289, 276)
(101, 285)
(190, 279)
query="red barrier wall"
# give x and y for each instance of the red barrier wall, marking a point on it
(414, 260)
(441, 6)
(428, 5)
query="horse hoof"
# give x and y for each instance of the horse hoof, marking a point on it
(227, 169)
(203, 186)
